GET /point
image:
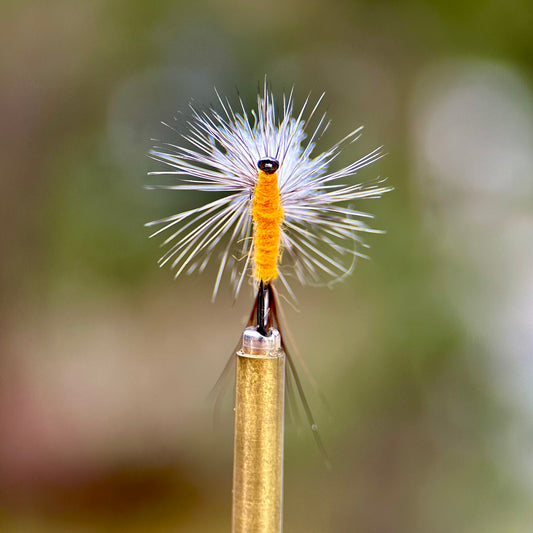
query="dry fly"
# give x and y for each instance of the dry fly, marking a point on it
(283, 214)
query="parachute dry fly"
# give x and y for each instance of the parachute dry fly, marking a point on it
(283, 213)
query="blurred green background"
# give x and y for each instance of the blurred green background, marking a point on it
(424, 354)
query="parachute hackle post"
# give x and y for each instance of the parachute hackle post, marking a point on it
(258, 437)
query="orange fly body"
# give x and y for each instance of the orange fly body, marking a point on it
(267, 215)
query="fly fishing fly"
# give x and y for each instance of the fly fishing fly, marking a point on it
(283, 213)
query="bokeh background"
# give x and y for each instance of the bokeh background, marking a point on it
(424, 354)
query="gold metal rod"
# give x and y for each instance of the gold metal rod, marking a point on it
(258, 442)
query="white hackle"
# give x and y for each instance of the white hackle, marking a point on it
(319, 238)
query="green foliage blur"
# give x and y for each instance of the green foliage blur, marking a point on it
(423, 355)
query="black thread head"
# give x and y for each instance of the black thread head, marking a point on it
(267, 165)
